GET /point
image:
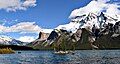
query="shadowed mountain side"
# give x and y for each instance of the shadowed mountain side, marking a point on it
(15, 47)
(108, 42)
(82, 39)
(67, 41)
(84, 42)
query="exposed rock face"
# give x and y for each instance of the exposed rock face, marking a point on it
(43, 36)
(53, 35)
(117, 28)
(76, 36)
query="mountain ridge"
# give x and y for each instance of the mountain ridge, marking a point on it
(95, 26)
(6, 40)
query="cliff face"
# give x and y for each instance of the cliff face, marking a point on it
(43, 36)
(38, 42)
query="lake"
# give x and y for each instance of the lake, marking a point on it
(47, 57)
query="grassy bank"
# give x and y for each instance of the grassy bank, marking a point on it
(6, 51)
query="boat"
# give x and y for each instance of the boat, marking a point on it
(19, 52)
(64, 52)
(61, 52)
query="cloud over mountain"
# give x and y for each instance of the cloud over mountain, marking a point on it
(13, 5)
(97, 6)
(26, 38)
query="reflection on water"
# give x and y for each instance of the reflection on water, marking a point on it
(47, 57)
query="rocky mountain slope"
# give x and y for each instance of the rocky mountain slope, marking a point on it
(88, 31)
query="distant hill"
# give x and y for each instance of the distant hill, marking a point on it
(6, 40)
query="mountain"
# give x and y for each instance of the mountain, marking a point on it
(6, 40)
(87, 31)
(42, 37)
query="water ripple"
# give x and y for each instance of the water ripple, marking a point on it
(47, 57)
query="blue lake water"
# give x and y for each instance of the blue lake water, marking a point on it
(47, 57)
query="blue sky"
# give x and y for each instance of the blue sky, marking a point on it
(44, 13)
(47, 13)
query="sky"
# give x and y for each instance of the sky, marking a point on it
(24, 19)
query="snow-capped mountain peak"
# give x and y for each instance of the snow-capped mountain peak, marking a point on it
(97, 13)
(6, 40)
(88, 21)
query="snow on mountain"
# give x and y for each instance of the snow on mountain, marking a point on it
(72, 26)
(46, 30)
(98, 14)
(88, 21)
(96, 7)
(5, 40)
(90, 16)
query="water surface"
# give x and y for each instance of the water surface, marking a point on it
(47, 57)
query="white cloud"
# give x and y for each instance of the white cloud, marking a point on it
(103, 1)
(29, 27)
(3, 28)
(28, 3)
(13, 5)
(26, 38)
(25, 27)
(97, 6)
